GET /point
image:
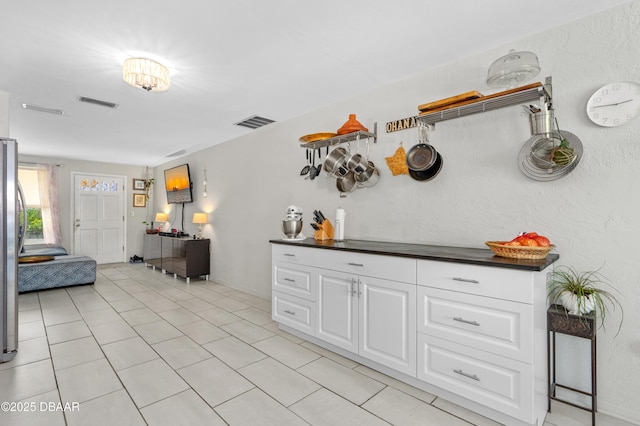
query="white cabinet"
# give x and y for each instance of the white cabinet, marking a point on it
(294, 287)
(482, 335)
(296, 280)
(338, 309)
(493, 325)
(351, 301)
(295, 312)
(491, 380)
(473, 333)
(369, 316)
(387, 323)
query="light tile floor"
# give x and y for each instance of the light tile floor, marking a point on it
(139, 347)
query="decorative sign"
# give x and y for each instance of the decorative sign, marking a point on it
(403, 124)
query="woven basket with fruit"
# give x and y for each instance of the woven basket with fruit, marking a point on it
(527, 245)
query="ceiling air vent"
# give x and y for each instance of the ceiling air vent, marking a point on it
(254, 122)
(97, 102)
(43, 109)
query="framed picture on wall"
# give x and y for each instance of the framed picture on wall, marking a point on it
(139, 200)
(138, 184)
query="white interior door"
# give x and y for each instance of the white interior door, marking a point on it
(99, 215)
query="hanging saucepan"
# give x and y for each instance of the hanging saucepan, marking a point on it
(357, 162)
(346, 183)
(342, 166)
(335, 159)
(369, 177)
(421, 157)
(430, 173)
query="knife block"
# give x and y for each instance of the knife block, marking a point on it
(325, 232)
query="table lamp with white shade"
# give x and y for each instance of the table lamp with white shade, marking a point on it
(162, 218)
(200, 219)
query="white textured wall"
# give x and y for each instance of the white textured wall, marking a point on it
(4, 114)
(134, 226)
(592, 215)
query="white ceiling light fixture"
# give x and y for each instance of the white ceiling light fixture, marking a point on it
(146, 74)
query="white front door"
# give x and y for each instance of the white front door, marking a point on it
(99, 213)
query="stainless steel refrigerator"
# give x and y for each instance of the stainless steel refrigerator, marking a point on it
(11, 244)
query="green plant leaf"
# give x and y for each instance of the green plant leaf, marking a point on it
(588, 284)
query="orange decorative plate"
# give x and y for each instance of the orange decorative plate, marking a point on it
(34, 259)
(314, 137)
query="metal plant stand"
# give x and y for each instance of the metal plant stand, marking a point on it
(559, 321)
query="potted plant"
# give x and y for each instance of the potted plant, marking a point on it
(150, 229)
(148, 183)
(147, 186)
(581, 293)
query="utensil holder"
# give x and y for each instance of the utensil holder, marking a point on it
(541, 122)
(325, 232)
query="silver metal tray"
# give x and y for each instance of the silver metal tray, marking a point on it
(531, 167)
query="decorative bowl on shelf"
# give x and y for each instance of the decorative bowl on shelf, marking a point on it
(351, 125)
(315, 137)
(499, 248)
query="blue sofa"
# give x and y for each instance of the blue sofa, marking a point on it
(64, 270)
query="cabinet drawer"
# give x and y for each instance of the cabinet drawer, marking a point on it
(297, 280)
(292, 254)
(487, 281)
(497, 326)
(497, 382)
(393, 268)
(295, 312)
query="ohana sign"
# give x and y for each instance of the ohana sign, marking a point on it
(403, 124)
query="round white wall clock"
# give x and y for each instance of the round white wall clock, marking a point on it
(614, 104)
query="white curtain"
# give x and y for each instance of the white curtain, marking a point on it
(48, 186)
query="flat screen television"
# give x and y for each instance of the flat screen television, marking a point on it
(177, 182)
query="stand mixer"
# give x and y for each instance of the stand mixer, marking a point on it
(292, 226)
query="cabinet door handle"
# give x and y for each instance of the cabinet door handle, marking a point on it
(291, 280)
(462, 373)
(353, 287)
(466, 321)
(290, 255)
(356, 264)
(290, 312)
(466, 280)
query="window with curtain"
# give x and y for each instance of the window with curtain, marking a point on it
(40, 185)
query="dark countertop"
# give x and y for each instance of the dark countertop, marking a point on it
(474, 256)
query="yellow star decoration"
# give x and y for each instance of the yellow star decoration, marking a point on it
(398, 162)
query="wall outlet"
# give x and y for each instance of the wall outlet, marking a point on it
(132, 213)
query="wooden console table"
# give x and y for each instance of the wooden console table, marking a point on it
(184, 257)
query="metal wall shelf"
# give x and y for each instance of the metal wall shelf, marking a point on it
(349, 137)
(540, 94)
